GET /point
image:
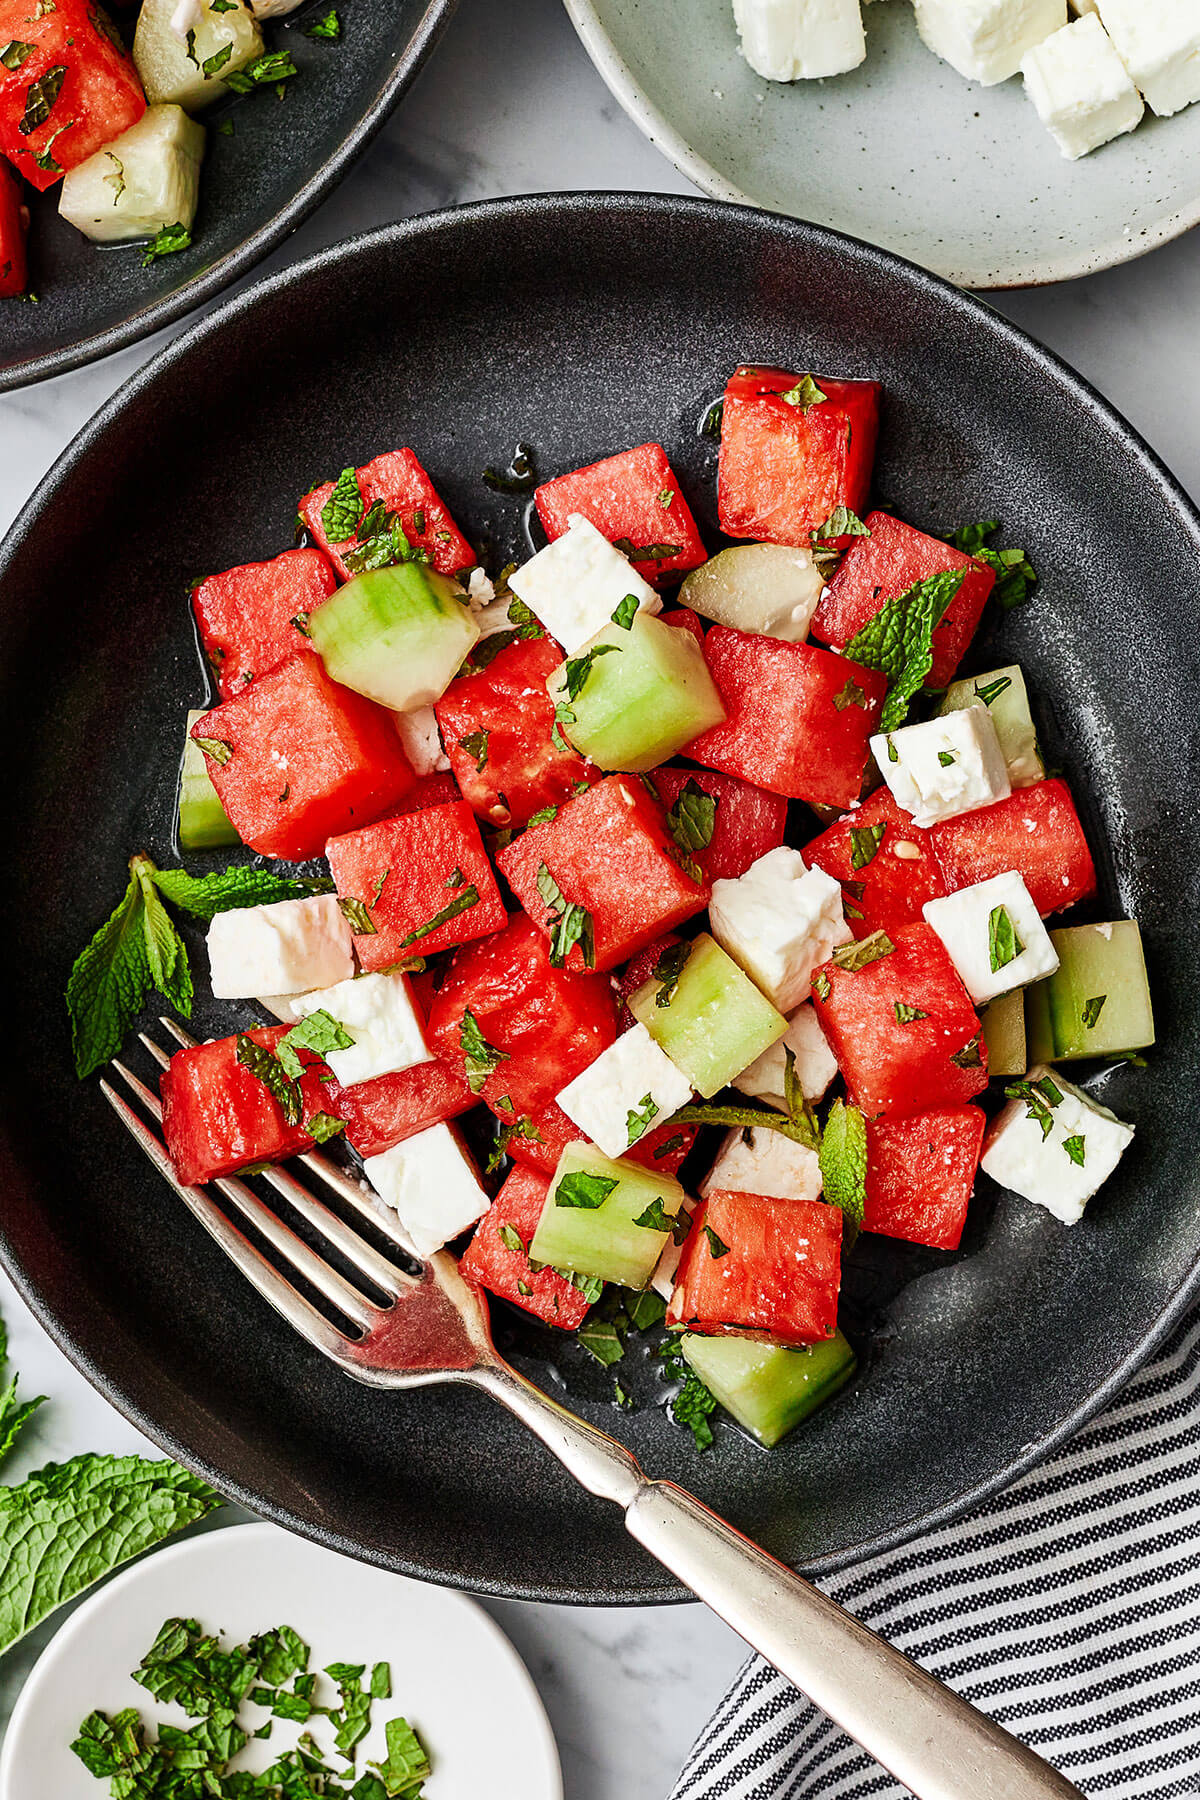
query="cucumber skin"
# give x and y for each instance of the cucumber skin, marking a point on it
(769, 1389)
(717, 1022)
(203, 822)
(603, 1241)
(1090, 964)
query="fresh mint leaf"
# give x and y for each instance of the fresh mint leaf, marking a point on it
(898, 641)
(587, 1192)
(716, 1248)
(15, 53)
(850, 695)
(40, 97)
(806, 393)
(844, 1163)
(1015, 574)
(322, 1126)
(73, 1522)
(1074, 1147)
(644, 1308)
(577, 669)
(135, 950)
(864, 843)
(992, 690)
(1040, 1098)
(517, 1128)
(407, 1761)
(460, 904)
(601, 1339)
(1004, 946)
(212, 65)
(692, 819)
(328, 26)
(971, 1055)
(853, 957)
(908, 1015)
(267, 1068)
(639, 1119)
(357, 913)
(668, 970)
(166, 242)
(626, 612)
(1091, 1011)
(512, 1240)
(265, 71)
(840, 523)
(573, 923)
(204, 896)
(743, 1118)
(480, 1058)
(342, 513)
(657, 1218)
(476, 746)
(320, 1032)
(645, 552)
(693, 1403)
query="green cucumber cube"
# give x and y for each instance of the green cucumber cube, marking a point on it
(1004, 694)
(771, 589)
(398, 635)
(146, 179)
(712, 1022)
(769, 1388)
(589, 1222)
(1097, 1002)
(203, 822)
(641, 694)
(186, 71)
(1003, 1022)
(1039, 1037)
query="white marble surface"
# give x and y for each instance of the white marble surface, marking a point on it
(510, 104)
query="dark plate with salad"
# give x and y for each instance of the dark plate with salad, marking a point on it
(154, 150)
(688, 770)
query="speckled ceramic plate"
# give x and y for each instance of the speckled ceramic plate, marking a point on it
(902, 152)
(257, 185)
(581, 325)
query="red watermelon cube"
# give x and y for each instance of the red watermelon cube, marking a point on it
(748, 821)
(498, 729)
(609, 852)
(892, 559)
(497, 1257)
(541, 1026)
(921, 1174)
(788, 460)
(218, 1115)
(900, 1023)
(72, 76)
(295, 758)
(1036, 831)
(398, 480)
(422, 880)
(380, 1114)
(756, 1267)
(799, 719)
(886, 866)
(635, 501)
(254, 617)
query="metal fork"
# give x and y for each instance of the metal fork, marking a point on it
(434, 1327)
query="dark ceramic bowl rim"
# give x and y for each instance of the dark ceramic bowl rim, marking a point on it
(418, 231)
(221, 274)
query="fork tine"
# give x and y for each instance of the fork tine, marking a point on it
(178, 1033)
(364, 1256)
(314, 1268)
(160, 1056)
(279, 1293)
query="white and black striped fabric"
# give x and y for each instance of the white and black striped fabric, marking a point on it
(1067, 1607)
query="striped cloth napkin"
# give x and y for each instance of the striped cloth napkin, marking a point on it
(1067, 1607)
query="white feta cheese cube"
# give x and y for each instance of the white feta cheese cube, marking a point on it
(1054, 1144)
(753, 1159)
(946, 766)
(779, 921)
(575, 585)
(994, 936)
(815, 1064)
(422, 740)
(377, 1011)
(1159, 43)
(432, 1185)
(629, 1088)
(800, 40)
(285, 948)
(986, 39)
(1080, 88)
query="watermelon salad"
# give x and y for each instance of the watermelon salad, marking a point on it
(109, 115)
(709, 879)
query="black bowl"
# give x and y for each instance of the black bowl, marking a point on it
(256, 186)
(582, 325)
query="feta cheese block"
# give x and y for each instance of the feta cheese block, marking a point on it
(575, 585)
(756, 1160)
(944, 767)
(377, 1011)
(432, 1185)
(994, 936)
(1159, 43)
(1081, 88)
(800, 40)
(1053, 1144)
(779, 921)
(1006, 697)
(630, 1087)
(815, 1064)
(986, 39)
(422, 741)
(286, 948)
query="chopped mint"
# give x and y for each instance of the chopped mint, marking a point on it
(898, 641)
(583, 1190)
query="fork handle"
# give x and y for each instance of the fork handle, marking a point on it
(934, 1743)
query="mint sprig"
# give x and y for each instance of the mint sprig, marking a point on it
(844, 1165)
(138, 950)
(898, 641)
